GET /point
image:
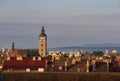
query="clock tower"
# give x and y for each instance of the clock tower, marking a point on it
(43, 43)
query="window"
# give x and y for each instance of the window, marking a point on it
(42, 45)
(42, 41)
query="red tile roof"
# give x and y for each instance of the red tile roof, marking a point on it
(27, 62)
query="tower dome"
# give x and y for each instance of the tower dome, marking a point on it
(114, 51)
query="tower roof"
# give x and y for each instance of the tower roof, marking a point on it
(42, 34)
(13, 46)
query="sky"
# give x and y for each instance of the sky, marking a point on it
(67, 22)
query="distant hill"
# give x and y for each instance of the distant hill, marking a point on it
(89, 47)
(101, 45)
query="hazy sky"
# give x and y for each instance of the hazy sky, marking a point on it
(67, 22)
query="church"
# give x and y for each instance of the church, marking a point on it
(20, 59)
(41, 51)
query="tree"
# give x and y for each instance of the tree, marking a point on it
(32, 53)
(97, 53)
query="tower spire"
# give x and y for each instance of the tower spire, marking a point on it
(13, 46)
(42, 34)
(43, 30)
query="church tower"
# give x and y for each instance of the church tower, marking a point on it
(42, 43)
(13, 46)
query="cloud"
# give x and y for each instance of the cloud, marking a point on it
(66, 24)
(26, 35)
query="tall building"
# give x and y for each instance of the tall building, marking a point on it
(42, 43)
